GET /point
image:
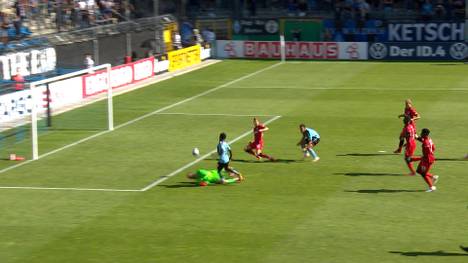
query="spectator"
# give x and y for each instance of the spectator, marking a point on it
(426, 10)
(208, 35)
(197, 38)
(388, 6)
(18, 79)
(362, 8)
(440, 11)
(88, 61)
(4, 25)
(253, 7)
(176, 40)
(302, 7)
(459, 8)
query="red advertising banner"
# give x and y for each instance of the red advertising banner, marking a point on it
(122, 75)
(294, 50)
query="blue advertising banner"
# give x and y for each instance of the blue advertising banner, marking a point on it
(374, 30)
(426, 32)
(418, 51)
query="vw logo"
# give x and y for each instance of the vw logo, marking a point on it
(459, 51)
(271, 26)
(378, 51)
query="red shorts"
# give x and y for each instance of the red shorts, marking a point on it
(256, 145)
(409, 149)
(424, 166)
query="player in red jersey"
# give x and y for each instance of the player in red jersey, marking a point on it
(409, 134)
(427, 160)
(255, 147)
(414, 115)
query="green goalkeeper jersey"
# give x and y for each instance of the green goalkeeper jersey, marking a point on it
(211, 176)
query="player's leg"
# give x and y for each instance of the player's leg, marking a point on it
(434, 178)
(263, 155)
(409, 151)
(220, 168)
(192, 176)
(409, 163)
(400, 145)
(232, 170)
(250, 149)
(401, 141)
(423, 171)
(311, 151)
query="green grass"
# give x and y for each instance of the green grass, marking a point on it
(354, 205)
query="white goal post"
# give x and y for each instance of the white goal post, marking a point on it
(35, 95)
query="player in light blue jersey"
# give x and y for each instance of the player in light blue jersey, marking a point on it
(310, 138)
(225, 156)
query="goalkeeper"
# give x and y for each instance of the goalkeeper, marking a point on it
(206, 177)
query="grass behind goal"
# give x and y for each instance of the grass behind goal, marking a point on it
(354, 205)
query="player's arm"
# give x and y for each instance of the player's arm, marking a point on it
(416, 117)
(301, 141)
(265, 128)
(230, 154)
(415, 114)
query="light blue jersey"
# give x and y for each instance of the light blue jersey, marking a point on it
(223, 152)
(312, 133)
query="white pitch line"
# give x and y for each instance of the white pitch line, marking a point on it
(69, 189)
(143, 116)
(216, 114)
(165, 177)
(344, 89)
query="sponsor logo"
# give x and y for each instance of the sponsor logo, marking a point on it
(459, 51)
(353, 51)
(271, 26)
(378, 51)
(230, 49)
(183, 58)
(426, 32)
(293, 50)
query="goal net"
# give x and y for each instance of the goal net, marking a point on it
(52, 113)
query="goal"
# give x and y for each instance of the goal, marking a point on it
(57, 112)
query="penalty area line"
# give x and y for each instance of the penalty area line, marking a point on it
(68, 189)
(216, 114)
(165, 177)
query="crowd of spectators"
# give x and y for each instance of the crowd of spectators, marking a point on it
(360, 9)
(19, 17)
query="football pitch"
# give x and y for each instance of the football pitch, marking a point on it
(122, 196)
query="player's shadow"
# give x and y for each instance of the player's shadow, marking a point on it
(439, 253)
(367, 154)
(448, 64)
(265, 161)
(369, 174)
(385, 191)
(181, 185)
(451, 159)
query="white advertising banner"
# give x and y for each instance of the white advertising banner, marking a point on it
(161, 66)
(64, 92)
(294, 50)
(30, 62)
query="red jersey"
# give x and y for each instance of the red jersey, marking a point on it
(411, 112)
(409, 132)
(258, 135)
(428, 149)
